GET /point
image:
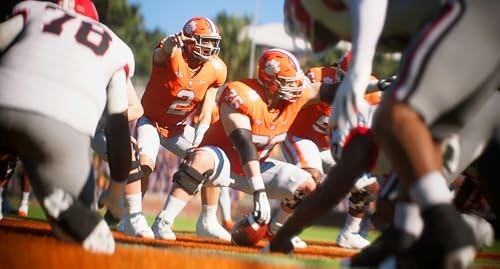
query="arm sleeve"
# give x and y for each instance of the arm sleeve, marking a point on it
(368, 17)
(117, 93)
(9, 30)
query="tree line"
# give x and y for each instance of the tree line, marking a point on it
(127, 21)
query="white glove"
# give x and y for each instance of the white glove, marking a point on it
(261, 208)
(199, 132)
(349, 105)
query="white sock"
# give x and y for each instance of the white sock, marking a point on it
(407, 218)
(26, 197)
(209, 212)
(225, 203)
(133, 203)
(352, 224)
(430, 190)
(173, 206)
(279, 220)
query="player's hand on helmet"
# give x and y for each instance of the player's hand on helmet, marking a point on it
(179, 39)
(349, 105)
(261, 208)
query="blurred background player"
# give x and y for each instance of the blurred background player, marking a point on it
(255, 115)
(99, 145)
(8, 164)
(186, 75)
(309, 148)
(57, 156)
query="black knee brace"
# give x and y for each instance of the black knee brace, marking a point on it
(360, 200)
(295, 200)
(189, 179)
(134, 176)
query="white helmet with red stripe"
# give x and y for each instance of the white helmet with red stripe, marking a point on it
(83, 7)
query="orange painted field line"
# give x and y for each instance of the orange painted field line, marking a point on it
(315, 249)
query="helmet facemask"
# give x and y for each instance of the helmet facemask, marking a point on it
(288, 88)
(206, 46)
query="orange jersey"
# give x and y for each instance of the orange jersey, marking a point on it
(172, 92)
(269, 128)
(312, 121)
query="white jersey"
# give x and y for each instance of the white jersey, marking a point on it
(65, 60)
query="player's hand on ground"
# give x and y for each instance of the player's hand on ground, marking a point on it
(276, 245)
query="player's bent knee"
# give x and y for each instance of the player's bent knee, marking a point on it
(294, 201)
(189, 179)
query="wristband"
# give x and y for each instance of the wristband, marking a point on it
(257, 183)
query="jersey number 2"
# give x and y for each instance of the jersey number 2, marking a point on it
(82, 35)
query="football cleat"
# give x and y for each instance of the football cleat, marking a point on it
(483, 230)
(211, 228)
(389, 242)
(136, 225)
(298, 243)
(247, 232)
(162, 229)
(23, 210)
(351, 240)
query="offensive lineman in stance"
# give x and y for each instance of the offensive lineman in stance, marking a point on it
(48, 118)
(255, 115)
(309, 148)
(425, 107)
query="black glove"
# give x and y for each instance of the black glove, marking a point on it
(386, 83)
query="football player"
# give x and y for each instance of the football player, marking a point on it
(255, 115)
(309, 148)
(186, 75)
(49, 119)
(8, 164)
(113, 197)
(425, 95)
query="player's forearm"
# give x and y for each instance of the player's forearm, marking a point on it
(9, 30)
(368, 18)
(208, 107)
(135, 109)
(118, 145)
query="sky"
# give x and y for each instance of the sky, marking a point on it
(170, 15)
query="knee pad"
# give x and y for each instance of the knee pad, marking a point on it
(70, 215)
(136, 172)
(359, 200)
(295, 200)
(189, 179)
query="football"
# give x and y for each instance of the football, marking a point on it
(247, 232)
